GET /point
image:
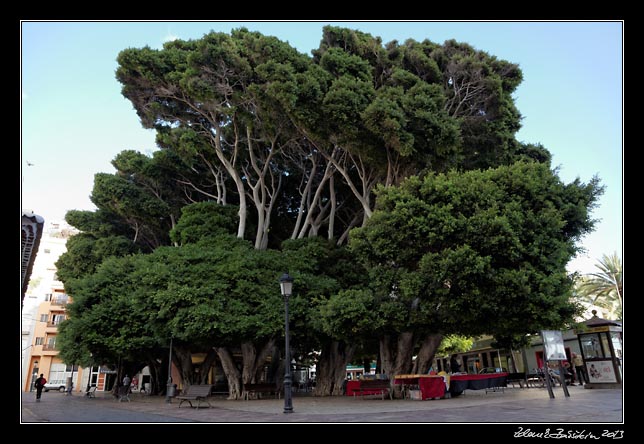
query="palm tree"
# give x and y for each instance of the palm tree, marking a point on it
(605, 287)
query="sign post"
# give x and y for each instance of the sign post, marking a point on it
(554, 351)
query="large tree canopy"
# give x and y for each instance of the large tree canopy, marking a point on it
(481, 252)
(269, 159)
(254, 117)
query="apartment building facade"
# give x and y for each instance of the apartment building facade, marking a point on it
(43, 357)
(44, 309)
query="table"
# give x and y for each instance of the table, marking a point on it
(430, 386)
(459, 383)
(353, 388)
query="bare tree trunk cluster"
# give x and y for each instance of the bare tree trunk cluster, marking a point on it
(331, 368)
(233, 375)
(396, 356)
(426, 354)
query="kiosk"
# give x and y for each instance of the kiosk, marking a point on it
(600, 342)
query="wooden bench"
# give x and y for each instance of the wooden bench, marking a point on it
(197, 393)
(375, 385)
(260, 388)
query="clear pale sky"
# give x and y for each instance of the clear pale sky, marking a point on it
(75, 120)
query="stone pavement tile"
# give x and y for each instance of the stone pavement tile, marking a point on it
(512, 405)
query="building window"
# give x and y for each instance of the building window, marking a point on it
(40, 341)
(57, 374)
(47, 251)
(44, 317)
(57, 319)
(60, 298)
(47, 297)
(51, 343)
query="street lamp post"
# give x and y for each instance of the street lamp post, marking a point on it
(286, 286)
(168, 392)
(89, 377)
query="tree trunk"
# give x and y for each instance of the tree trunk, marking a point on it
(234, 174)
(366, 364)
(182, 359)
(249, 355)
(206, 365)
(274, 368)
(331, 368)
(426, 353)
(263, 197)
(366, 182)
(304, 195)
(308, 222)
(263, 370)
(158, 376)
(396, 354)
(333, 208)
(253, 361)
(345, 236)
(233, 376)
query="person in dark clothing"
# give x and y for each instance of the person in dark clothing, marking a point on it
(454, 366)
(39, 383)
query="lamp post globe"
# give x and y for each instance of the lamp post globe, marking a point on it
(286, 287)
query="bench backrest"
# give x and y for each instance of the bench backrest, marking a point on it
(260, 387)
(516, 376)
(374, 383)
(199, 390)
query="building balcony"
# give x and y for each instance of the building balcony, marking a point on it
(50, 352)
(59, 302)
(49, 347)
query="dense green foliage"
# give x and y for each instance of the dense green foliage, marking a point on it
(476, 252)
(307, 139)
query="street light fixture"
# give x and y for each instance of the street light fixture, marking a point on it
(286, 286)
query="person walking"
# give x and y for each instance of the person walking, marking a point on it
(126, 383)
(39, 383)
(578, 362)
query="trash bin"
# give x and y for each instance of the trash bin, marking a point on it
(148, 388)
(172, 389)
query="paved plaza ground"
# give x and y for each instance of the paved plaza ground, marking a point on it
(513, 405)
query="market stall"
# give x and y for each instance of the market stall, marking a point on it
(429, 386)
(487, 381)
